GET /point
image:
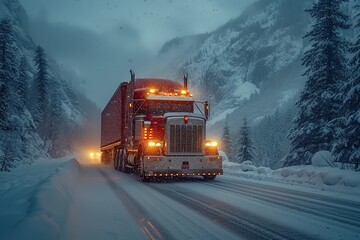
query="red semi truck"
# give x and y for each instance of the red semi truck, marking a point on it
(149, 126)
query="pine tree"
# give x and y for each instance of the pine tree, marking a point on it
(7, 158)
(22, 82)
(7, 69)
(245, 143)
(40, 111)
(58, 128)
(326, 71)
(226, 141)
(11, 120)
(70, 91)
(347, 145)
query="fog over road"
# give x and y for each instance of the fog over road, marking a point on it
(108, 204)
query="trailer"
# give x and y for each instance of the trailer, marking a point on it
(149, 126)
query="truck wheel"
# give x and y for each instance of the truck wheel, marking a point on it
(116, 165)
(209, 178)
(143, 178)
(124, 162)
(121, 167)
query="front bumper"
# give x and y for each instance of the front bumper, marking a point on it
(164, 166)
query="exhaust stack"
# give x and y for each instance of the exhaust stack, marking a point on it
(132, 85)
(185, 81)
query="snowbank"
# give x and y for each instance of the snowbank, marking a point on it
(306, 175)
(46, 204)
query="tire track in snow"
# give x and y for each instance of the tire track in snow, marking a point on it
(318, 208)
(353, 205)
(242, 223)
(149, 226)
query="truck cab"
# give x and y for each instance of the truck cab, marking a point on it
(160, 135)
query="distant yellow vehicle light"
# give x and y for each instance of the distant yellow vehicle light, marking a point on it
(91, 155)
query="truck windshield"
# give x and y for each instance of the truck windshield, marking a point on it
(159, 108)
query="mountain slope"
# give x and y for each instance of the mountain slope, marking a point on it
(75, 108)
(252, 64)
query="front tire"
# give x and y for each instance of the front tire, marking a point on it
(143, 178)
(209, 178)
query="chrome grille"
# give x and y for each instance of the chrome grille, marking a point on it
(186, 138)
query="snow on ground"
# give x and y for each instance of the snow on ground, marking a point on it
(325, 178)
(108, 204)
(57, 199)
(34, 199)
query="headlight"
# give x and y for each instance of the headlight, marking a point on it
(211, 147)
(154, 144)
(211, 143)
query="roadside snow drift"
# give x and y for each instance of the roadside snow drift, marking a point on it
(38, 208)
(307, 175)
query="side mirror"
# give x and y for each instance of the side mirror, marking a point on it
(206, 109)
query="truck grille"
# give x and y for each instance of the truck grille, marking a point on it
(186, 138)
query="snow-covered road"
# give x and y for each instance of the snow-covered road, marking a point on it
(108, 204)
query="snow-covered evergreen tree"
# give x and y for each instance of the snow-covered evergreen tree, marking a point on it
(245, 144)
(7, 77)
(347, 145)
(40, 110)
(22, 83)
(327, 70)
(7, 157)
(270, 137)
(226, 141)
(8, 69)
(59, 132)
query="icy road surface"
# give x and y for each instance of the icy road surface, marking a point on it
(108, 204)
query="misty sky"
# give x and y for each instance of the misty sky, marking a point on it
(98, 41)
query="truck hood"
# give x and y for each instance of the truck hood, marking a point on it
(182, 114)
